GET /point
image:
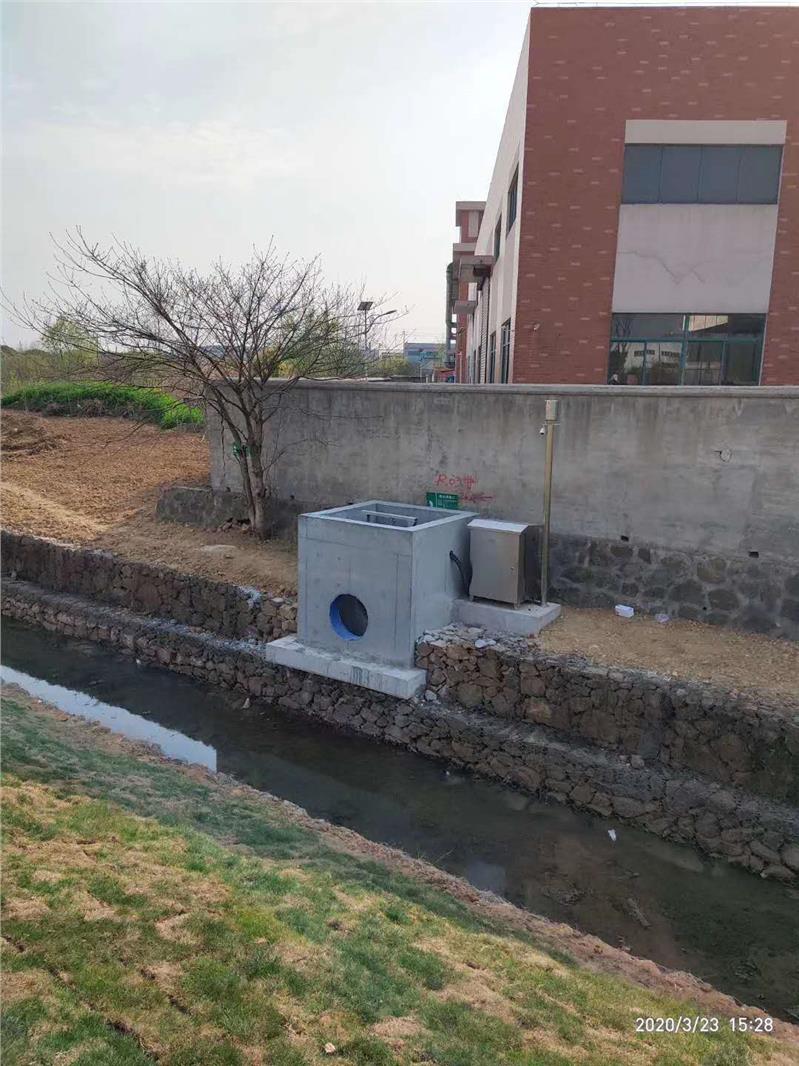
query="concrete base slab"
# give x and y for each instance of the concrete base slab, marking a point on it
(524, 621)
(380, 677)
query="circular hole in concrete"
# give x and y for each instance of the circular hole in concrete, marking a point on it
(348, 617)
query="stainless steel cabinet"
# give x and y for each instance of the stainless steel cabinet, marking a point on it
(504, 558)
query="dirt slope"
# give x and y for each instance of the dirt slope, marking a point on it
(95, 481)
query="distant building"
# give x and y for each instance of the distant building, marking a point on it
(423, 353)
(468, 217)
(428, 358)
(642, 222)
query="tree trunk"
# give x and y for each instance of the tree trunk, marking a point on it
(258, 493)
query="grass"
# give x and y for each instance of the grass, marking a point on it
(155, 914)
(104, 398)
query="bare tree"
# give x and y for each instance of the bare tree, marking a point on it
(216, 338)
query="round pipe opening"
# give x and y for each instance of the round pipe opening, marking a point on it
(348, 617)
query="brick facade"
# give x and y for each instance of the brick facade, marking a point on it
(591, 69)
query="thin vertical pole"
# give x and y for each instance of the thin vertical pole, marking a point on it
(550, 421)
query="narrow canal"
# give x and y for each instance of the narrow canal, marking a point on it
(662, 901)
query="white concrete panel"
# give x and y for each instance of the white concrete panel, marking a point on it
(710, 131)
(509, 155)
(403, 682)
(525, 621)
(694, 257)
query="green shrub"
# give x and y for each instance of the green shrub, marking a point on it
(103, 398)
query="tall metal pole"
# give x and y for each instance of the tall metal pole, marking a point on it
(550, 421)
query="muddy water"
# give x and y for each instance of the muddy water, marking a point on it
(662, 901)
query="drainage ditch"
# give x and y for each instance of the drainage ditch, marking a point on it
(662, 901)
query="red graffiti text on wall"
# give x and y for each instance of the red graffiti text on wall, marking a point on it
(465, 485)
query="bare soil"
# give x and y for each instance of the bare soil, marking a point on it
(737, 661)
(95, 482)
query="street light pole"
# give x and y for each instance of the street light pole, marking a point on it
(366, 306)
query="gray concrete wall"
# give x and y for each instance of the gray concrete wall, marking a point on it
(711, 470)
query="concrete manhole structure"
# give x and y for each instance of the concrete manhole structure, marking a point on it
(373, 577)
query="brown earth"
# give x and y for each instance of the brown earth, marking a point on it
(734, 660)
(95, 481)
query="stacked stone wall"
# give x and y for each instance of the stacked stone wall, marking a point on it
(158, 591)
(748, 830)
(749, 593)
(750, 741)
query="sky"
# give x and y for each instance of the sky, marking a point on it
(200, 130)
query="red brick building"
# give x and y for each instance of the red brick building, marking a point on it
(642, 223)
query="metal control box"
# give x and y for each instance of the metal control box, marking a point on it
(505, 561)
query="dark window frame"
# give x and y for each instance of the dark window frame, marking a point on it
(513, 199)
(497, 238)
(657, 154)
(492, 357)
(687, 338)
(504, 353)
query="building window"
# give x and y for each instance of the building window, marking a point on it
(513, 195)
(701, 174)
(480, 368)
(504, 353)
(668, 349)
(497, 238)
(492, 356)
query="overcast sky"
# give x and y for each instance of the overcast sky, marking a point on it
(196, 130)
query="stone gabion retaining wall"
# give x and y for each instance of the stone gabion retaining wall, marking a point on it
(757, 595)
(229, 610)
(749, 831)
(748, 741)
(192, 505)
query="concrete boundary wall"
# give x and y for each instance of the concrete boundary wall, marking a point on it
(747, 830)
(713, 470)
(684, 500)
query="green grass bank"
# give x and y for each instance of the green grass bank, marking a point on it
(156, 913)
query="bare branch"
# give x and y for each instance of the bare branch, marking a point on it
(214, 339)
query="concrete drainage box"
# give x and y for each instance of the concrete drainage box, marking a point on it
(373, 577)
